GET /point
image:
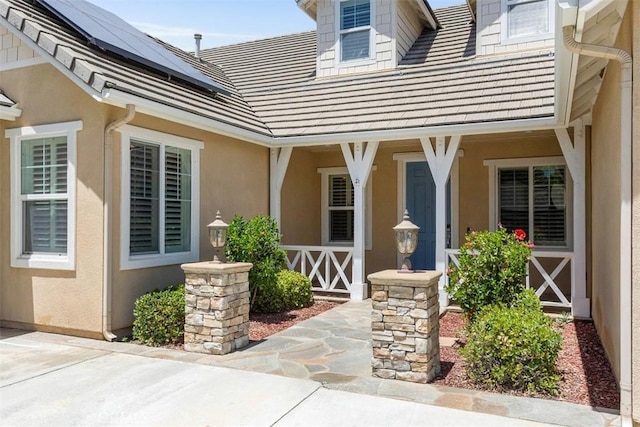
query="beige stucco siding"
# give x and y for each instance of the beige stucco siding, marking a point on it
(301, 190)
(605, 206)
(234, 178)
(634, 11)
(56, 300)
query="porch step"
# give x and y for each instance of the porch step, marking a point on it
(321, 296)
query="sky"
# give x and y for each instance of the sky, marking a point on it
(220, 22)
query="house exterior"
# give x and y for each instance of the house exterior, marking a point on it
(493, 111)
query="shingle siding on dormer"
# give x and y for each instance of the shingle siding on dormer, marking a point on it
(12, 50)
(490, 37)
(409, 27)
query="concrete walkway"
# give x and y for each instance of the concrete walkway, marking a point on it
(323, 377)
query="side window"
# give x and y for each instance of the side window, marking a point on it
(527, 18)
(160, 200)
(43, 184)
(355, 30)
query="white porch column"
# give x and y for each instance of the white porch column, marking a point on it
(440, 162)
(278, 161)
(359, 162)
(575, 156)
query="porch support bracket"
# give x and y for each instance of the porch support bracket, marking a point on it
(440, 162)
(359, 163)
(279, 161)
(575, 156)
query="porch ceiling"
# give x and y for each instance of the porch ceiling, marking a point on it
(601, 28)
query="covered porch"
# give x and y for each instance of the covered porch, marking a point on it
(337, 204)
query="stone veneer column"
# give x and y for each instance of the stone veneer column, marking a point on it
(404, 325)
(216, 307)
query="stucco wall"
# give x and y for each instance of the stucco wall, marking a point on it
(605, 206)
(490, 37)
(328, 61)
(301, 190)
(634, 11)
(35, 296)
(234, 178)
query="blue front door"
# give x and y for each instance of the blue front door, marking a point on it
(421, 204)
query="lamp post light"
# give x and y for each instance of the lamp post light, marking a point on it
(217, 237)
(407, 241)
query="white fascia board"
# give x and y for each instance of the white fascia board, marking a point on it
(427, 14)
(10, 113)
(416, 133)
(156, 109)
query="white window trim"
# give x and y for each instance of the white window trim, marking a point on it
(45, 261)
(324, 205)
(130, 262)
(339, 63)
(494, 164)
(504, 25)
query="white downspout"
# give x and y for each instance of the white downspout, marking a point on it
(625, 60)
(107, 220)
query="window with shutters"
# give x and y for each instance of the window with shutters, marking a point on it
(534, 197)
(354, 30)
(43, 179)
(160, 203)
(338, 208)
(525, 20)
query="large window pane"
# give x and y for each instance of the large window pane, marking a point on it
(341, 226)
(355, 13)
(514, 199)
(177, 200)
(144, 200)
(355, 45)
(44, 166)
(549, 218)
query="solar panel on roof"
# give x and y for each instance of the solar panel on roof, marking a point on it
(111, 33)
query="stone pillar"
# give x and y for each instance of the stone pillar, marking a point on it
(216, 307)
(405, 324)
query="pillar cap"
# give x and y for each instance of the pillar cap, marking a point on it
(393, 277)
(210, 267)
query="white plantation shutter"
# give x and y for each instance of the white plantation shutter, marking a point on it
(43, 181)
(355, 27)
(534, 199)
(527, 17)
(340, 208)
(177, 200)
(144, 198)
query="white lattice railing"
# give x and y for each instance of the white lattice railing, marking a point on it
(328, 267)
(545, 267)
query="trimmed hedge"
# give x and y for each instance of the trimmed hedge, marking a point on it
(159, 316)
(295, 289)
(514, 347)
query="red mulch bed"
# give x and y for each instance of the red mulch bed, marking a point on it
(586, 376)
(261, 325)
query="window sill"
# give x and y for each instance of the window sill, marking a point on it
(157, 260)
(45, 262)
(526, 39)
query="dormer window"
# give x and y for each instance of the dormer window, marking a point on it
(355, 30)
(527, 19)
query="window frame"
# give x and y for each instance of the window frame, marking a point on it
(504, 32)
(163, 140)
(495, 165)
(16, 136)
(339, 32)
(326, 173)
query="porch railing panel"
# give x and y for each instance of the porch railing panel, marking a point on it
(328, 267)
(549, 274)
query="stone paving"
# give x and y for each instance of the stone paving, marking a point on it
(334, 349)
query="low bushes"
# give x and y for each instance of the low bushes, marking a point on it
(295, 289)
(514, 347)
(159, 316)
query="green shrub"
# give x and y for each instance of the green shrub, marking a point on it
(159, 316)
(258, 241)
(493, 270)
(295, 289)
(514, 347)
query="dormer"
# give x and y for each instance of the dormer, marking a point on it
(512, 25)
(356, 36)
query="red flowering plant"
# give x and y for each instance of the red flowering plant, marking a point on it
(492, 270)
